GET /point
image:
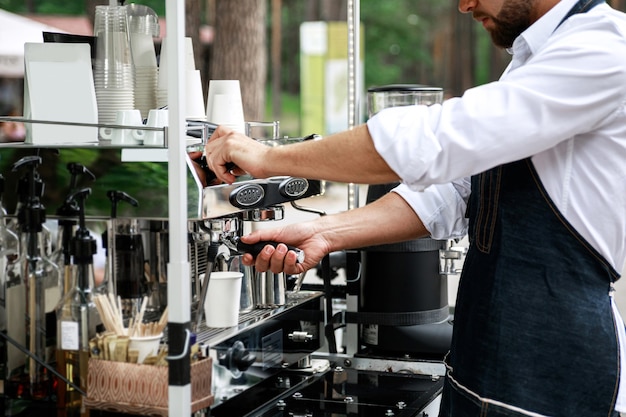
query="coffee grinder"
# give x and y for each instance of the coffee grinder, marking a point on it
(403, 296)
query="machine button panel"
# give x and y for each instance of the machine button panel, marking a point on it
(293, 187)
(248, 195)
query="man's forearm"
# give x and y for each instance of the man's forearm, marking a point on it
(387, 220)
(348, 157)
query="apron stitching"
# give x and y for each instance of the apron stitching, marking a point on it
(617, 379)
(566, 224)
(479, 216)
(487, 213)
(488, 401)
(488, 210)
(495, 204)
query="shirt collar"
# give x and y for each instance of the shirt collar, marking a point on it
(533, 38)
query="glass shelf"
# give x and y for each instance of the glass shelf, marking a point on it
(102, 144)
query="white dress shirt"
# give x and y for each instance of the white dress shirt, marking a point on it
(562, 102)
(564, 106)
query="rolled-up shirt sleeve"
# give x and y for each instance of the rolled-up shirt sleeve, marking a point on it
(440, 207)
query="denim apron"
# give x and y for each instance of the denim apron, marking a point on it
(534, 332)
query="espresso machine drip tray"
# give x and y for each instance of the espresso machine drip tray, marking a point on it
(338, 392)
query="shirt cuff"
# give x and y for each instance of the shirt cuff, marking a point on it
(441, 208)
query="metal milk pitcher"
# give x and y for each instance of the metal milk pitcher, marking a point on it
(270, 289)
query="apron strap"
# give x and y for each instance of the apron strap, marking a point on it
(582, 6)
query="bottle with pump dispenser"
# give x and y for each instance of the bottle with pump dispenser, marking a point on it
(52, 290)
(14, 283)
(23, 193)
(68, 214)
(77, 317)
(29, 378)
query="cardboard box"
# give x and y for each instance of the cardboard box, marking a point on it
(142, 389)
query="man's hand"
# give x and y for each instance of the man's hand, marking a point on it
(277, 259)
(230, 154)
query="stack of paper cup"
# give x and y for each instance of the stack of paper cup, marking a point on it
(193, 82)
(194, 94)
(224, 105)
(161, 90)
(195, 97)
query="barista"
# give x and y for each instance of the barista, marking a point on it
(536, 161)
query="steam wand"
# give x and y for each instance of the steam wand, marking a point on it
(212, 253)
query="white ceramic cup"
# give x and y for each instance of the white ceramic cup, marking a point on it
(156, 118)
(221, 307)
(120, 136)
(145, 345)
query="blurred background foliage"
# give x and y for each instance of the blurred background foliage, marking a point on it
(144, 181)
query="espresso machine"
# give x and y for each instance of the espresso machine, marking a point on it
(274, 363)
(277, 328)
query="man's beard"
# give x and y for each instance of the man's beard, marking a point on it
(513, 19)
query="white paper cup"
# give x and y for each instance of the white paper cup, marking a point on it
(145, 345)
(228, 107)
(190, 60)
(228, 111)
(195, 96)
(221, 307)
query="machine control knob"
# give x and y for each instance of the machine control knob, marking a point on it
(237, 359)
(293, 187)
(246, 196)
(298, 336)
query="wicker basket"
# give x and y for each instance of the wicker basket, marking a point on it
(142, 389)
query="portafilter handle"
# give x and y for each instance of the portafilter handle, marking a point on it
(234, 243)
